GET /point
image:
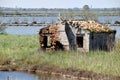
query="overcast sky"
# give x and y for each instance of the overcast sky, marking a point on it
(60, 3)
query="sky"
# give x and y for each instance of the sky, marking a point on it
(60, 3)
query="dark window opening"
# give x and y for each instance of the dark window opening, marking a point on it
(79, 41)
(46, 41)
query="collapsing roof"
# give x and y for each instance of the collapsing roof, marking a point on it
(75, 34)
(90, 25)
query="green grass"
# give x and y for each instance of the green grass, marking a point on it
(23, 50)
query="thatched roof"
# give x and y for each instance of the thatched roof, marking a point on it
(90, 25)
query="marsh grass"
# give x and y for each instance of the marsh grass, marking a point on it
(23, 51)
(117, 46)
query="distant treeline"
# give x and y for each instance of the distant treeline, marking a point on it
(57, 11)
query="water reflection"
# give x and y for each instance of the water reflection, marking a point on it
(5, 75)
(13, 75)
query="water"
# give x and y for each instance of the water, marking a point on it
(110, 19)
(17, 76)
(117, 28)
(29, 30)
(23, 30)
(14, 75)
(48, 19)
(28, 19)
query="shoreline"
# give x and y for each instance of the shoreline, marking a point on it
(39, 24)
(54, 71)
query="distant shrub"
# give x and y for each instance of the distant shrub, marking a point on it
(2, 29)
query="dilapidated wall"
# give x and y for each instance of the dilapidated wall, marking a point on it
(102, 41)
(48, 37)
(53, 37)
(63, 37)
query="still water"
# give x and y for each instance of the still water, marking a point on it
(6, 75)
(14, 75)
(48, 19)
(23, 30)
(30, 30)
(28, 19)
(117, 28)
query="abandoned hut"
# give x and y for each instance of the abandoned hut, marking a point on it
(76, 35)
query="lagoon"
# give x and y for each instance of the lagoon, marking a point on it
(22, 30)
(50, 19)
(29, 30)
(33, 30)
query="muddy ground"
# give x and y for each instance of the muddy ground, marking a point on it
(52, 70)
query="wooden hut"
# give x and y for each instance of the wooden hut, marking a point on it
(76, 35)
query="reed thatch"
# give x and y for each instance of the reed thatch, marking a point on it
(90, 25)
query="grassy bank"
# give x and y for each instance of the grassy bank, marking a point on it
(20, 51)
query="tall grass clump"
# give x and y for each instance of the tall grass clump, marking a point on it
(17, 46)
(117, 46)
(99, 62)
(2, 29)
